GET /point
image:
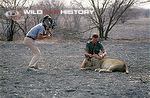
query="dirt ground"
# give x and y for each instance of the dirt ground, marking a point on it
(61, 77)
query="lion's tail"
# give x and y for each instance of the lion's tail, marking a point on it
(126, 69)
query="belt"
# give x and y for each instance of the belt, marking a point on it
(30, 37)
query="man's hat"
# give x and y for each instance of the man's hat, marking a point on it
(95, 35)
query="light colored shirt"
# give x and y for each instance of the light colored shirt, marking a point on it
(36, 30)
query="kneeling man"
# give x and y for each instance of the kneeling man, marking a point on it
(95, 49)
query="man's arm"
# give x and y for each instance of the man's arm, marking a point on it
(88, 54)
(103, 54)
(100, 55)
(46, 35)
(87, 51)
(41, 36)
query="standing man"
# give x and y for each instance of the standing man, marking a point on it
(40, 31)
(94, 49)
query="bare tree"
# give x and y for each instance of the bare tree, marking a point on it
(76, 17)
(11, 25)
(108, 13)
(51, 7)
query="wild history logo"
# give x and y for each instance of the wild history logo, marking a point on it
(44, 12)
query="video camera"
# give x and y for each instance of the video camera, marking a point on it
(48, 22)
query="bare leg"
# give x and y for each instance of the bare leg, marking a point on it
(36, 52)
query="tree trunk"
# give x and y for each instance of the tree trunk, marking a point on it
(10, 31)
(106, 35)
(101, 31)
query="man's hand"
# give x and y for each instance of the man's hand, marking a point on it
(46, 35)
(101, 57)
(98, 56)
(41, 36)
(88, 55)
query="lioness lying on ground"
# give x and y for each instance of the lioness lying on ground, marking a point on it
(105, 65)
(96, 58)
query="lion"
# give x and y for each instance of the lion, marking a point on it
(105, 65)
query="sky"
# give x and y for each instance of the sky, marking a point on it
(85, 2)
